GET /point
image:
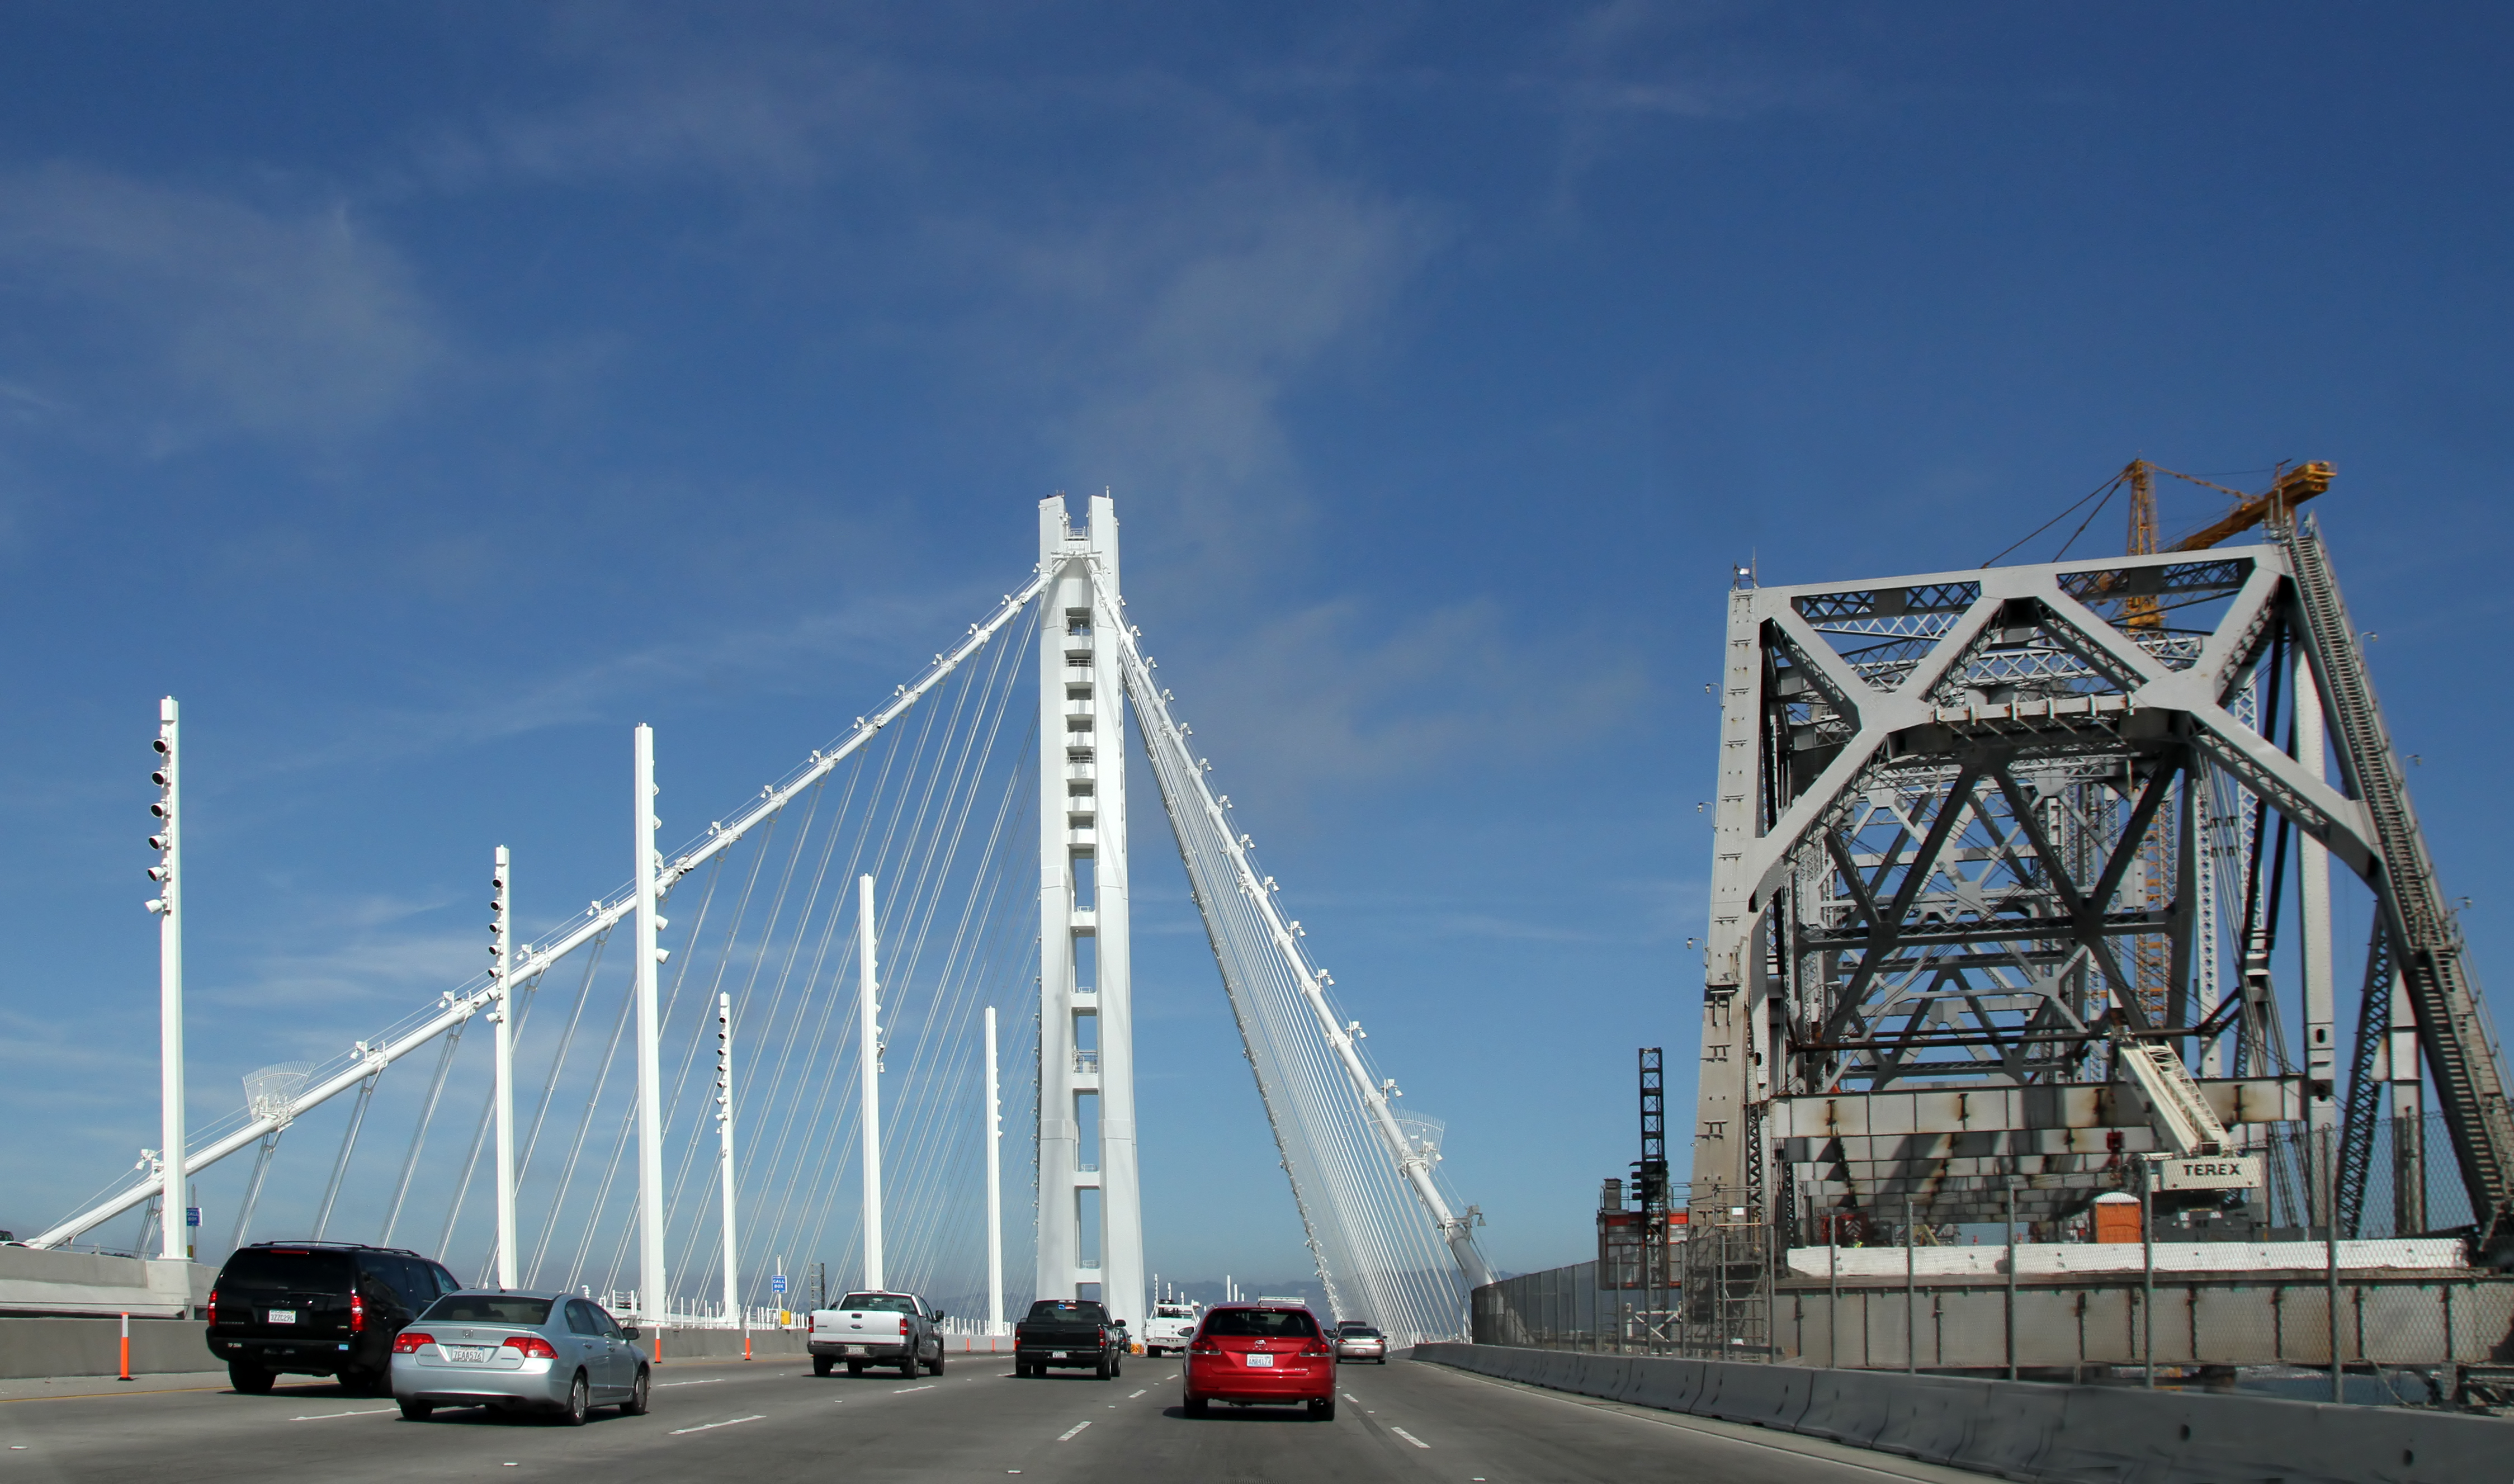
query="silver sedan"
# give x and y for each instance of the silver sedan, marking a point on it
(518, 1352)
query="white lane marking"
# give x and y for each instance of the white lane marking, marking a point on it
(710, 1381)
(1409, 1438)
(1132, 1395)
(903, 1390)
(727, 1423)
(1068, 1435)
(1355, 1400)
(325, 1417)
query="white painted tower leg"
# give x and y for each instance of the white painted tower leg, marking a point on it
(994, 1189)
(502, 951)
(653, 1304)
(170, 991)
(868, 1030)
(2313, 876)
(724, 1152)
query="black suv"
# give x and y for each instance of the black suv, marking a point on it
(319, 1309)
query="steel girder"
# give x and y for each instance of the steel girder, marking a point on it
(1961, 828)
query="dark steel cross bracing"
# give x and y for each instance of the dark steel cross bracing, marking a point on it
(1976, 830)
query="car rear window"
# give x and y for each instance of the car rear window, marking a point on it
(881, 1304)
(1261, 1324)
(283, 1270)
(1069, 1308)
(492, 1308)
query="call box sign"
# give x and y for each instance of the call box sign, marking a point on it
(2207, 1172)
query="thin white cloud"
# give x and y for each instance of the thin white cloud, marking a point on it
(188, 314)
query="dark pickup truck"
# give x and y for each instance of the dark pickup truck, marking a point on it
(1068, 1332)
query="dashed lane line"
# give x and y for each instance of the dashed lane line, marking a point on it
(1409, 1438)
(1067, 1435)
(1132, 1395)
(325, 1417)
(709, 1381)
(903, 1390)
(727, 1423)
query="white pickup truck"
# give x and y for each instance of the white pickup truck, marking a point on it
(876, 1328)
(1170, 1327)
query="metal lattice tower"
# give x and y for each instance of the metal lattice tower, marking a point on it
(1964, 820)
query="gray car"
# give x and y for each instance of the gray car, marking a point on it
(518, 1352)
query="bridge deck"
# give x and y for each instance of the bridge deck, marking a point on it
(776, 1421)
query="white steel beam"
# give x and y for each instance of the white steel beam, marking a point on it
(503, 1014)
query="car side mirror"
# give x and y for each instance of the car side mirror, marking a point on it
(940, 1316)
(628, 1330)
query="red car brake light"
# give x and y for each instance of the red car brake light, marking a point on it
(408, 1342)
(213, 1306)
(531, 1347)
(357, 1314)
(903, 1324)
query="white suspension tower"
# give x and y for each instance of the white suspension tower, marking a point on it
(1086, 1063)
(994, 1189)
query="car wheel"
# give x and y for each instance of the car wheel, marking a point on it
(936, 1367)
(252, 1381)
(635, 1405)
(1194, 1407)
(365, 1383)
(910, 1366)
(417, 1411)
(821, 1365)
(1107, 1367)
(1322, 1411)
(579, 1401)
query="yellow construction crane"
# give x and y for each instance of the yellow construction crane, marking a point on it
(2292, 486)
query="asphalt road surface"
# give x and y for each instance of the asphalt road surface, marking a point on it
(773, 1421)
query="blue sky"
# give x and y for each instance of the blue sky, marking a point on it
(428, 394)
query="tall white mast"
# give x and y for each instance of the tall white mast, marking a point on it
(168, 904)
(868, 1030)
(724, 1150)
(652, 1302)
(1083, 833)
(503, 1017)
(995, 1189)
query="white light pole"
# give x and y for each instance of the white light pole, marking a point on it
(869, 1029)
(995, 1189)
(651, 1301)
(724, 1152)
(168, 904)
(503, 1017)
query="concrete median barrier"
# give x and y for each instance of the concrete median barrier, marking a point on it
(2029, 1430)
(31, 1348)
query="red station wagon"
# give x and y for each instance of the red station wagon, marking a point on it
(1261, 1352)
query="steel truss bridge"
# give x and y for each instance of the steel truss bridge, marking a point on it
(853, 924)
(2003, 862)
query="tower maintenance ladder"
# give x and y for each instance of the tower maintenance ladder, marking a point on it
(2428, 953)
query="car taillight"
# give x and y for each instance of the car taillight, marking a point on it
(408, 1342)
(903, 1324)
(213, 1306)
(531, 1347)
(357, 1314)
(1205, 1349)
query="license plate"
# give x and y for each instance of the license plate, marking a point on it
(283, 1316)
(1261, 1360)
(468, 1354)
(1059, 1355)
